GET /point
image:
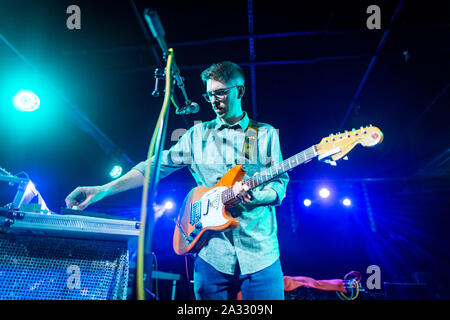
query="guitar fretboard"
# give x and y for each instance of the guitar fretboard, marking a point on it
(274, 171)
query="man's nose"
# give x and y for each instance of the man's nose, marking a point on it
(214, 100)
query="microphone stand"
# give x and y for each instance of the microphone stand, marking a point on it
(153, 187)
(144, 266)
(145, 258)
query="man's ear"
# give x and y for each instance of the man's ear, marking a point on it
(241, 91)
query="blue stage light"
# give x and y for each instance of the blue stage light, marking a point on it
(324, 193)
(168, 205)
(307, 202)
(347, 202)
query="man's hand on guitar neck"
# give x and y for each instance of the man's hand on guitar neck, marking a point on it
(244, 195)
(242, 192)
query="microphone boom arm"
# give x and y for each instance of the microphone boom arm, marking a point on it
(158, 32)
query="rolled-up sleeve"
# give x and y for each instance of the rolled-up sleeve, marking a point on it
(177, 157)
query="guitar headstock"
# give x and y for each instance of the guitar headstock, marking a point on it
(339, 144)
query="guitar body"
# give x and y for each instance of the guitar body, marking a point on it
(204, 212)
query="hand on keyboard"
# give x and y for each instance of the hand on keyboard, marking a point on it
(82, 197)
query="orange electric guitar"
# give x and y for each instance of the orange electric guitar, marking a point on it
(205, 210)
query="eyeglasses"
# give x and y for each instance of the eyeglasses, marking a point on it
(219, 94)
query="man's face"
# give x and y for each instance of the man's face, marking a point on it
(227, 105)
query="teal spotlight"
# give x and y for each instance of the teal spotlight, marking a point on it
(116, 172)
(26, 100)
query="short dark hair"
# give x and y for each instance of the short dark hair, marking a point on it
(223, 71)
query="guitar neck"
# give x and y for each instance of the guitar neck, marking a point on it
(279, 169)
(274, 171)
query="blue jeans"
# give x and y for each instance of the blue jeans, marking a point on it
(210, 284)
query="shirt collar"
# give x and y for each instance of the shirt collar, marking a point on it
(243, 123)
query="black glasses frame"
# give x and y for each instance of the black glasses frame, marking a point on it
(219, 94)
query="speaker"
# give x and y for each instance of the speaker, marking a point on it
(34, 267)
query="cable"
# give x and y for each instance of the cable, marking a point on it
(187, 270)
(23, 173)
(156, 280)
(140, 254)
(357, 290)
(353, 283)
(174, 103)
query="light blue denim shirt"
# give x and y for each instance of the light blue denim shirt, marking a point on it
(209, 150)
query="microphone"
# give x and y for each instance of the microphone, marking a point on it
(156, 28)
(193, 107)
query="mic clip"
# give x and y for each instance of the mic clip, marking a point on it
(190, 107)
(159, 75)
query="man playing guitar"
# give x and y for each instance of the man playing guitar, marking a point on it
(245, 258)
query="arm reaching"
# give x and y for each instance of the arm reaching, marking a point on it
(177, 157)
(82, 197)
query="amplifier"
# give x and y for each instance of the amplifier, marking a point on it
(64, 257)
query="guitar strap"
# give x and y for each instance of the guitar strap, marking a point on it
(250, 140)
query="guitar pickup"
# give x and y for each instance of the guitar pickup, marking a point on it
(194, 214)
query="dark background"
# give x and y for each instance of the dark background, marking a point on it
(317, 69)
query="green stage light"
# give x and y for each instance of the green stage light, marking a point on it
(26, 100)
(116, 172)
